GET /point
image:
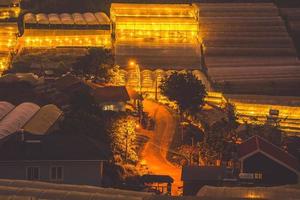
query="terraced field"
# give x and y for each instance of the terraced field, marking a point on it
(247, 49)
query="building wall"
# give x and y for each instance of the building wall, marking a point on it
(74, 172)
(272, 172)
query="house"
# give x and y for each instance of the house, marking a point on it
(58, 158)
(195, 177)
(274, 165)
(112, 98)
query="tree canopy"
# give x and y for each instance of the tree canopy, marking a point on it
(96, 64)
(185, 89)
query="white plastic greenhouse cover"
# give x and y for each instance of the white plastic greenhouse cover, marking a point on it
(90, 18)
(44, 190)
(30, 18)
(5, 108)
(17, 118)
(42, 18)
(66, 18)
(54, 18)
(274, 193)
(78, 19)
(43, 120)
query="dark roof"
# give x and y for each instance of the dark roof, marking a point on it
(157, 179)
(111, 94)
(259, 144)
(198, 173)
(53, 147)
(67, 81)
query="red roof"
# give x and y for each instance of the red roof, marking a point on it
(259, 144)
(111, 94)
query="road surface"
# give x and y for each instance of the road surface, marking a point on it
(155, 152)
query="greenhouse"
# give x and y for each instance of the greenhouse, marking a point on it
(66, 30)
(40, 190)
(8, 42)
(43, 120)
(16, 119)
(28, 117)
(274, 193)
(154, 21)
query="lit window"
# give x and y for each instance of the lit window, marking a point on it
(56, 173)
(32, 173)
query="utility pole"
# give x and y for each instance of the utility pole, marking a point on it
(126, 146)
(156, 85)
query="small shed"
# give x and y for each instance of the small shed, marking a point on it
(195, 177)
(112, 98)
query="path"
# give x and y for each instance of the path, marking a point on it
(155, 152)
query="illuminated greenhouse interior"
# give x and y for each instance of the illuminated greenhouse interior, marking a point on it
(154, 21)
(8, 42)
(56, 30)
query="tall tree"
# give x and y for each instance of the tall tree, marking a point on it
(185, 89)
(96, 64)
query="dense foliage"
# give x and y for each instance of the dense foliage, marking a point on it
(97, 64)
(185, 89)
(123, 136)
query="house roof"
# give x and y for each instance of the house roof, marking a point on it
(198, 173)
(111, 94)
(258, 144)
(27, 77)
(67, 81)
(53, 147)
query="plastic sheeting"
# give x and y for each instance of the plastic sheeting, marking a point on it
(5, 108)
(274, 193)
(43, 120)
(10, 188)
(98, 18)
(16, 119)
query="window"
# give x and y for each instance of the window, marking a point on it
(56, 173)
(33, 173)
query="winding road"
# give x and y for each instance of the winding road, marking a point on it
(155, 152)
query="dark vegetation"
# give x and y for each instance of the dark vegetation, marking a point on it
(185, 89)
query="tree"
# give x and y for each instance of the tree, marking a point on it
(96, 64)
(185, 89)
(270, 132)
(18, 67)
(220, 138)
(124, 138)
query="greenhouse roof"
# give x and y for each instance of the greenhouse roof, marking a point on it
(274, 193)
(43, 120)
(17, 118)
(88, 18)
(19, 189)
